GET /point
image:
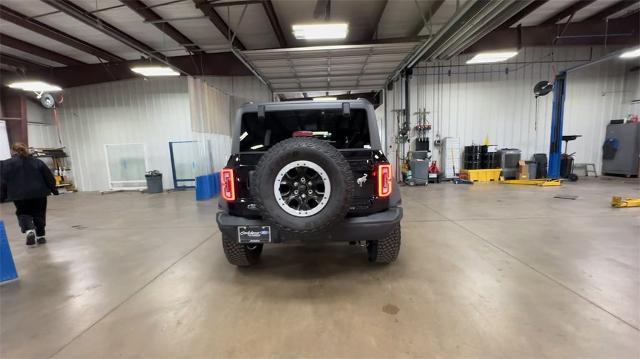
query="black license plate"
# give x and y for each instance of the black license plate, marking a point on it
(254, 234)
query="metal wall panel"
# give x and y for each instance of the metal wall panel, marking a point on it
(41, 131)
(42, 136)
(595, 95)
(242, 88)
(496, 101)
(151, 111)
(36, 113)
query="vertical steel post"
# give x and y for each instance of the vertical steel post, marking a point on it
(386, 109)
(555, 147)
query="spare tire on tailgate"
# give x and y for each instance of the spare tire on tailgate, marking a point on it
(302, 185)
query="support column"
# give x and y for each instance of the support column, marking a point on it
(555, 148)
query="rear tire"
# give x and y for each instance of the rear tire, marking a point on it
(320, 153)
(240, 254)
(385, 250)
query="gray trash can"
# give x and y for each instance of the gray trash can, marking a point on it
(154, 182)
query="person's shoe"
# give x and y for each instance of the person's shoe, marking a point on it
(31, 237)
(41, 240)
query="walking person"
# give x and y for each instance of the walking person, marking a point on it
(27, 182)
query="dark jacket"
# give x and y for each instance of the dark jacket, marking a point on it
(25, 178)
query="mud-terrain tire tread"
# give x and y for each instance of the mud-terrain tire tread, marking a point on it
(238, 254)
(293, 144)
(385, 250)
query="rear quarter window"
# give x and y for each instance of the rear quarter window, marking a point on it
(328, 125)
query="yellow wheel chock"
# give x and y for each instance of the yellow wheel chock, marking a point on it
(535, 182)
(620, 202)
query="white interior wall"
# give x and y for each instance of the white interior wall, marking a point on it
(380, 120)
(153, 112)
(631, 99)
(243, 89)
(211, 116)
(41, 131)
(595, 96)
(496, 101)
(38, 114)
(42, 135)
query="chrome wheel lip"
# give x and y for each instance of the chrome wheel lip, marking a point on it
(321, 203)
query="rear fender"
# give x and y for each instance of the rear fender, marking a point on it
(394, 199)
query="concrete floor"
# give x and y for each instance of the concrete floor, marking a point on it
(485, 270)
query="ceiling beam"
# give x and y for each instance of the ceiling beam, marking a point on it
(12, 42)
(571, 9)
(25, 65)
(608, 11)
(376, 24)
(275, 24)
(54, 34)
(111, 8)
(218, 22)
(289, 79)
(523, 13)
(91, 20)
(371, 96)
(472, 21)
(149, 15)
(213, 64)
(621, 31)
(425, 18)
(329, 88)
(235, 3)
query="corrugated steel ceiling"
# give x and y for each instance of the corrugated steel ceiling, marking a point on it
(327, 68)
(394, 25)
(368, 19)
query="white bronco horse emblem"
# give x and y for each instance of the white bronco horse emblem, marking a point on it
(360, 181)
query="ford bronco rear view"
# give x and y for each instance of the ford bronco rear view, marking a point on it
(308, 172)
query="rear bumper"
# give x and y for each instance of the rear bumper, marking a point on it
(371, 227)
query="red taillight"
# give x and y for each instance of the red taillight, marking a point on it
(384, 180)
(227, 185)
(303, 134)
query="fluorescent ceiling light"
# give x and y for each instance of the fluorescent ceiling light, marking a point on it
(326, 98)
(35, 86)
(256, 147)
(152, 71)
(630, 54)
(320, 31)
(489, 57)
(243, 135)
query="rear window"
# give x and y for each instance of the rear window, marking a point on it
(327, 125)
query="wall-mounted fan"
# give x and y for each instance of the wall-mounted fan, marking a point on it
(47, 100)
(542, 88)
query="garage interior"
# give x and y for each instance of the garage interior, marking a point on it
(510, 248)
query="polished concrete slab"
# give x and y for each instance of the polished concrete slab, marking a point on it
(486, 271)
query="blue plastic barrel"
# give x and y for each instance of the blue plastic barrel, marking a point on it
(203, 188)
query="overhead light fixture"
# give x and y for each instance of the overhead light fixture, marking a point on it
(35, 86)
(154, 71)
(256, 147)
(325, 98)
(320, 31)
(631, 54)
(489, 57)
